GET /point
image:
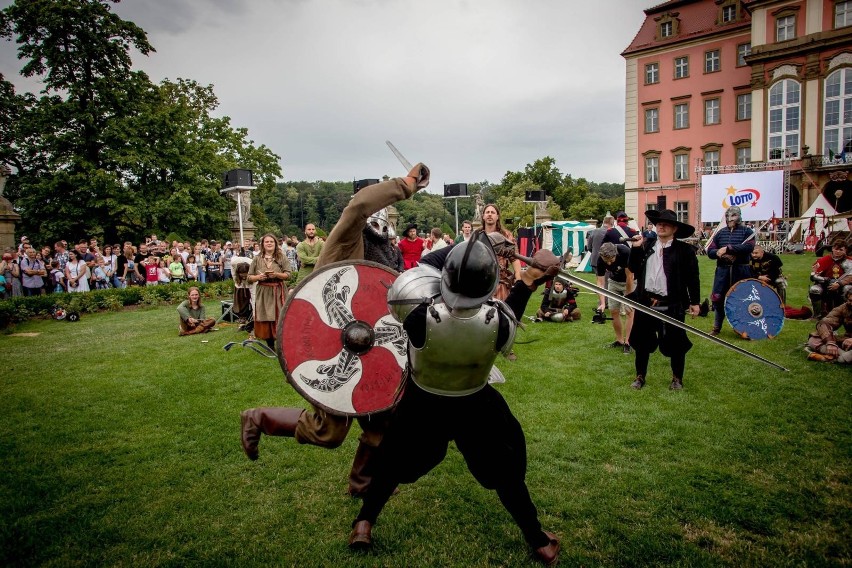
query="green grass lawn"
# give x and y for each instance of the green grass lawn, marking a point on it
(120, 446)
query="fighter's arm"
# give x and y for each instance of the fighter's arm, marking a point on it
(691, 276)
(345, 241)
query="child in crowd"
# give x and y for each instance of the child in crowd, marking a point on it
(99, 275)
(176, 270)
(163, 274)
(191, 268)
(152, 270)
(57, 277)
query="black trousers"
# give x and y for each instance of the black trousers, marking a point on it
(486, 433)
(649, 333)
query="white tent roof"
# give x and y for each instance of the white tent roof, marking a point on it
(822, 224)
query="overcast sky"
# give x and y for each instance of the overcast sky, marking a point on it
(472, 88)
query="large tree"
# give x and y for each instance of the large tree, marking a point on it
(104, 151)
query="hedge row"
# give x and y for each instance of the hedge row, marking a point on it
(17, 310)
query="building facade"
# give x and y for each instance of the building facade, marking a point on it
(733, 85)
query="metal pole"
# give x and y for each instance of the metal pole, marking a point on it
(456, 201)
(240, 215)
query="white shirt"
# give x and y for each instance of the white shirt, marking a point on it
(655, 276)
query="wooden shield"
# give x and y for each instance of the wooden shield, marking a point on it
(340, 348)
(754, 309)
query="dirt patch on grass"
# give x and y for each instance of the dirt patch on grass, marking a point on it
(25, 334)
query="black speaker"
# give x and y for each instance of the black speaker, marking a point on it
(661, 202)
(535, 195)
(455, 189)
(234, 178)
(362, 183)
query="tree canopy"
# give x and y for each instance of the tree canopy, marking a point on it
(104, 151)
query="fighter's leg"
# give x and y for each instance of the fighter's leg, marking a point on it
(373, 429)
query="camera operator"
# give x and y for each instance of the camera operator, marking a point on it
(612, 261)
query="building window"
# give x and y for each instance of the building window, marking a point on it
(652, 169)
(712, 61)
(842, 14)
(743, 50)
(652, 73)
(711, 159)
(681, 115)
(712, 111)
(666, 29)
(681, 167)
(652, 120)
(682, 211)
(744, 107)
(729, 13)
(743, 155)
(785, 28)
(837, 121)
(784, 119)
(681, 67)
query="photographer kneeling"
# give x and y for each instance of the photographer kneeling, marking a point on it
(559, 304)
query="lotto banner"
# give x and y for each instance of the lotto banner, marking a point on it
(758, 194)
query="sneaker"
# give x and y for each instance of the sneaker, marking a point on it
(639, 382)
(677, 384)
(627, 350)
(616, 345)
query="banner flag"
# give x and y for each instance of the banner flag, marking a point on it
(757, 194)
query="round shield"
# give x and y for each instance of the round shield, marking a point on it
(340, 348)
(754, 309)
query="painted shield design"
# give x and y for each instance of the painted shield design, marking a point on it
(340, 348)
(754, 309)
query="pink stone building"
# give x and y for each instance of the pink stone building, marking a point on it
(727, 85)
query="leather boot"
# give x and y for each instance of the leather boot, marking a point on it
(677, 383)
(361, 536)
(639, 382)
(272, 421)
(549, 554)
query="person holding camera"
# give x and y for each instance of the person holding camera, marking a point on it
(270, 270)
(612, 262)
(559, 303)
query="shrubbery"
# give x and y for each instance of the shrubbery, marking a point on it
(16, 310)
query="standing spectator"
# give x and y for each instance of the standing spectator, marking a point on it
(271, 271)
(731, 249)
(57, 277)
(290, 253)
(99, 275)
(123, 266)
(308, 252)
(191, 268)
(612, 262)
(61, 254)
(25, 242)
(256, 250)
(510, 270)
(151, 266)
(33, 271)
(466, 230)
(435, 241)
(198, 251)
(621, 230)
(139, 263)
(227, 254)
(398, 264)
(214, 263)
(666, 272)
(110, 265)
(12, 273)
(411, 246)
(76, 272)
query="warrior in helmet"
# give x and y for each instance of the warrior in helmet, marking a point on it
(731, 249)
(831, 276)
(455, 331)
(362, 232)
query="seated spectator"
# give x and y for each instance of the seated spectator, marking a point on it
(831, 275)
(559, 304)
(193, 318)
(826, 343)
(766, 267)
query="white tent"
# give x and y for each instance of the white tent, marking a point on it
(820, 211)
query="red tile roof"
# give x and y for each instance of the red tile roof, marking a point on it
(697, 18)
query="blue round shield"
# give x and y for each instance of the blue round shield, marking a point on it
(754, 309)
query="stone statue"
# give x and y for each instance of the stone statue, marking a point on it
(479, 207)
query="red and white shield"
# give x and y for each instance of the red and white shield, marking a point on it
(340, 348)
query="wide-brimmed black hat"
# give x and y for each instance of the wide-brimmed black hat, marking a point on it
(667, 215)
(408, 228)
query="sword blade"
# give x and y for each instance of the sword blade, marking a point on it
(405, 163)
(661, 316)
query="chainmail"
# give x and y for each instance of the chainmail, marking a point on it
(378, 249)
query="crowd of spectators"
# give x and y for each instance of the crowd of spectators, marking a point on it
(32, 270)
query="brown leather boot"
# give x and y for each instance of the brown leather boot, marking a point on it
(549, 554)
(272, 421)
(361, 536)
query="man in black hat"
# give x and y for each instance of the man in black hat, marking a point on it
(667, 280)
(411, 246)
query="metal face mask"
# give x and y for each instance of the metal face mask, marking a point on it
(378, 222)
(733, 215)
